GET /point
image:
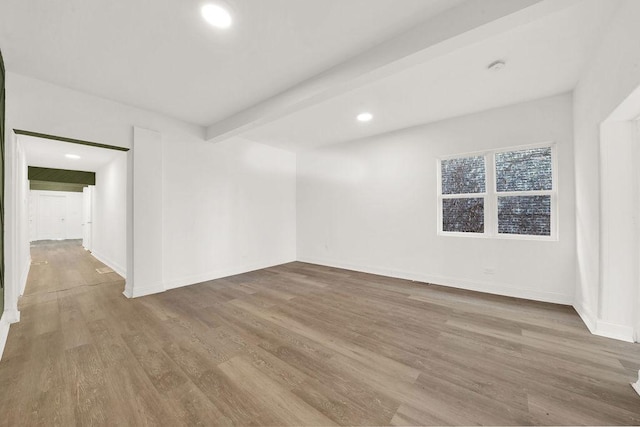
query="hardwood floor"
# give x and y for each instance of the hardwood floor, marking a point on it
(60, 265)
(300, 344)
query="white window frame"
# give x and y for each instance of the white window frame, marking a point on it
(491, 194)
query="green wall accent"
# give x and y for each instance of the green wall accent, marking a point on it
(56, 186)
(61, 176)
(2, 132)
(71, 140)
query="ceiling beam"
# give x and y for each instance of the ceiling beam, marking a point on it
(69, 140)
(60, 175)
(456, 28)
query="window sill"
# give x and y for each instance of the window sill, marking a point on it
(500, 236)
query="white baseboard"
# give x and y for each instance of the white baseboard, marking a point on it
(127, 292)
(11, 316)
(615, 331)
(587, 317)
(472, 285)
(109, 263)
(135, 291)
(4, 334)
(6, 319)
(604, 329)
(636, 385)
(141, 292)
(25, 275)
(224, 272)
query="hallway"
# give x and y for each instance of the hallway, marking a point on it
(39, 370)
(63, 265)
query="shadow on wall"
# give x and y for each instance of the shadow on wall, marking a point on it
(109, 228)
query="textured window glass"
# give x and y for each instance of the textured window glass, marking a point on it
(529, 215)
(463, 215)
(524, 170)
(463, 176)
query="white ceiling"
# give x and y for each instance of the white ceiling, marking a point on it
(49, 153)
(543, 58)
(162, 56)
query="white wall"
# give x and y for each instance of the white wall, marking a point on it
(88, 201)
(227, 208)
(72, 215)
(23, 255)
(637, 260)
(620, 233)
(611, 76)
(46, 108)
(147, 214)
(370, 205)
(109, 226)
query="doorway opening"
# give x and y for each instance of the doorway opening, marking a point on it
(71, 212)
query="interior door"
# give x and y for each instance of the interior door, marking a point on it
(87, 215)
(51, 217)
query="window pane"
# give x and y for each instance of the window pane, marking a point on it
(524, 170)
(463, 176)
(463, 215)
(529, 215)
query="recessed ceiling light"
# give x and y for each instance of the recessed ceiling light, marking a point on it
(496, 65)
(364, 117)
(72, 156)
(216, 15)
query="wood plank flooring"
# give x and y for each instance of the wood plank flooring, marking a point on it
(300, 344)
(58, 265)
